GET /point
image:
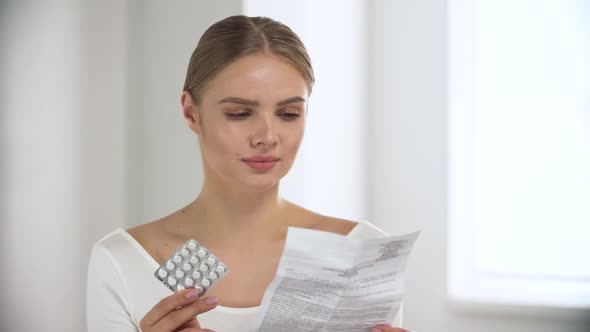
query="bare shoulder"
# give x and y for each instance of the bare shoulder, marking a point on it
(141, 232)
(145, 234)
(155, 229)
(322, 222)
(155, 237)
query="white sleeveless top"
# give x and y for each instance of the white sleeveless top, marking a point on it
(121, 287)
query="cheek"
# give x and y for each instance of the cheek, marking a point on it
(220, 144)
(290, 144)
(294, 136)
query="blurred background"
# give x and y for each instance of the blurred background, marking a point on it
(466, 120)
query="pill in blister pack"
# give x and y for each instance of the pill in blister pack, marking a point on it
(191, 266)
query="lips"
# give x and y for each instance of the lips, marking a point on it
(261, 163)
(259, 159)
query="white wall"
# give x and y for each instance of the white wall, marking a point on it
(62, 154)
(409, 145)
(103, 118)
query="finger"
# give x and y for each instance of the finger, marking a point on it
(194, 323)
(186, 313)
(385, 328)
(196, 330)
(169, 304)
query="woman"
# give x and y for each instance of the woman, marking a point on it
(245, 98)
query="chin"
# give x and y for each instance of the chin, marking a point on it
(259, 183)
(261, 186)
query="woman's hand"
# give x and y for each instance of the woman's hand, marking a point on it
(177, 312)
(386, 328)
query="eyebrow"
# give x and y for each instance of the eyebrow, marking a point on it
(238, 100)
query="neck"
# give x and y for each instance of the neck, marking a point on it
(233, 215)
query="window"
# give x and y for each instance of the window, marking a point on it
(520, 152)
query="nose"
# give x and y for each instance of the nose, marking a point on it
(264, 134)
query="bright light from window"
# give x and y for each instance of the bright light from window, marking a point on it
(521, 185)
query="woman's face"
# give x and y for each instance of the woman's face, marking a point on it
(250, 121)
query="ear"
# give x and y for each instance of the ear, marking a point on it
(189, 111)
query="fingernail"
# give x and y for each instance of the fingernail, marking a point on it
(192, 293)
(211, 300)
(375, 330)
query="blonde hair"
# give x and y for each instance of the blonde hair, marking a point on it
(236, 37)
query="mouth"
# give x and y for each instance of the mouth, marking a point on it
(261, 163)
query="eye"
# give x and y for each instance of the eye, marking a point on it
(289, 116)
(238, 116)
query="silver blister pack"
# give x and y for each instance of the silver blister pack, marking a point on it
(191, 266)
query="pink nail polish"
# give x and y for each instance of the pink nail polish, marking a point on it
(211, 300)
(191, 294)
